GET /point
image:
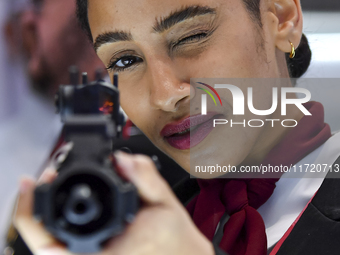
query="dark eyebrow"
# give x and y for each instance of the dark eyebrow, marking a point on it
(110, 37)
(180, 15)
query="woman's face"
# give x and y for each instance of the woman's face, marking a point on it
(157, 46)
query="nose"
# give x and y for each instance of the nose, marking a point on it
(168, 87)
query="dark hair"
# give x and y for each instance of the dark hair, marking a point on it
(296, 66)
(83, 17)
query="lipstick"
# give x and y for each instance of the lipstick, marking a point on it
(189, 132)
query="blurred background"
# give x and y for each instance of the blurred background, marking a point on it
(39, 40)
(322, 28)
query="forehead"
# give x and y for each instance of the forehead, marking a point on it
(131, 15)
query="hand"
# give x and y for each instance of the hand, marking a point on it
(162, 226)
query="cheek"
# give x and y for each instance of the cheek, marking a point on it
(233, 59)
(232, 143)
(129, 104)
(134, 102)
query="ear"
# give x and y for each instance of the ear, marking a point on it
(30, 39)
(287, 23)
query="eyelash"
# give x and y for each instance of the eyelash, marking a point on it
(112, 66)
(190, 39)
(113, 63)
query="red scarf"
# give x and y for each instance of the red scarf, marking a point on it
(244, 232)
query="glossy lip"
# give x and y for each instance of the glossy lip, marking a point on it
(200, 126)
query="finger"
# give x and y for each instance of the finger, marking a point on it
(47, 176)
(141, 171)
(33, 232)
(53, 251)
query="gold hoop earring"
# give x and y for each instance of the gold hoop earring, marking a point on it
(292, 52)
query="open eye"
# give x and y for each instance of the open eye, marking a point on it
(123, 63)
(126, 62)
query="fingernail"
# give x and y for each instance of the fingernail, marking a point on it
(46, 175)
(41, 252)
(125, 162)
(25, 184)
